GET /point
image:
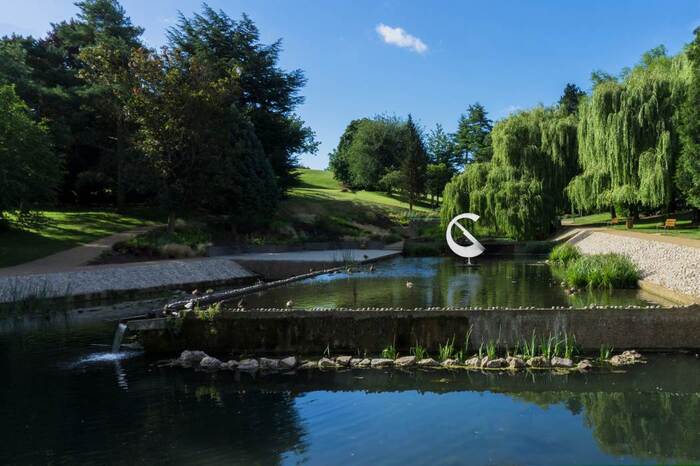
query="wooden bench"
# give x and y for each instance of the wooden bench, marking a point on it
(669, 223)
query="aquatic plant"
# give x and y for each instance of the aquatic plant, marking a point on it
(530, 347)
(447, 351)
(605, 353)
(564, 253)
(603, 271)
(389, 352)
(491, 349)
(419, 352)
(569, 345)
(209, 313)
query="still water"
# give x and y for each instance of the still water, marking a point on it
(66, 399)
(436, 281)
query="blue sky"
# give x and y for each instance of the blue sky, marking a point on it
(505, 54)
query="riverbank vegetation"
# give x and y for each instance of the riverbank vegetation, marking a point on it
(593, 271)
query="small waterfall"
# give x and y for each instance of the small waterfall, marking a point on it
(118, 337)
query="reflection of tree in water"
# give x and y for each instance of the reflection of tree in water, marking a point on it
(660, 426)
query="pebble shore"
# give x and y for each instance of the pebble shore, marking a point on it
(669, 265)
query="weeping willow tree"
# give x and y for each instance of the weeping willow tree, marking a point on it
(521, 191)
(466, 193)
(628, 142)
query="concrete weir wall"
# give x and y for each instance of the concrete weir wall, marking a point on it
(351, 331)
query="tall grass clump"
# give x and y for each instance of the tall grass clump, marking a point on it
(447, 351)
(419, 352)
(389, 352)
(602, 271)
(564, 253)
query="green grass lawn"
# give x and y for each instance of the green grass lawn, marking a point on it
(64, 230)
(320, 184)
(684, 227)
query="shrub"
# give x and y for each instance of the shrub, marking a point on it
(564, 253)
(602, 271)
(185, 241)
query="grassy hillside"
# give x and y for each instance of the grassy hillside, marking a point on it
(320, 184)
(320, 209)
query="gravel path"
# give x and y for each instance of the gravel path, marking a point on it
(669, 265)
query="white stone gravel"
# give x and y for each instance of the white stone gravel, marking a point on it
(670, 265)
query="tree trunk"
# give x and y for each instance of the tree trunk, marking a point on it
(696, 216)
(171, 222)
(120, 164)
(612, 211)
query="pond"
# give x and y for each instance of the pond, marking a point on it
(434, 281)
(66, 400)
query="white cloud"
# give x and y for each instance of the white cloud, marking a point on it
(512, 109)
(400, 38)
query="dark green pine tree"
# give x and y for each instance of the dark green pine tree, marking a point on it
(570, 99)
(473, 139)
(413, 166)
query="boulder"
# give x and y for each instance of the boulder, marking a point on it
(515, 363)
(538, 361)
(626, 358)
(584, 365)
(484, 361)
(561, 362)
(309, 365)
(210, 363)
(365, 362)
(450, 363)
(498, 363)
(325, 363)
(269, 364)
(231, 365)
(355, 362)
(250, 365)
(343, 360)
(191, 358)
(382, 362)
(473, 362)
(288, 363)
(428, 362)
(405, 361)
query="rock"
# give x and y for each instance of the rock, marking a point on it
(382, 362)
(497, 363)
(584, 365)
(366, 362)
(626, 358)
(306, 365)
(473, 362)
(515, 363)
(191, 358)
(561, 362)
(450, 363)
(231, 365)
(210, 363)
(538, 361)
(355, 362)
(484, 361)
(428, 362)
(248, 365)
(269, 364)
(405, 361)
(288, 363)
(343, 360)
(325, 363)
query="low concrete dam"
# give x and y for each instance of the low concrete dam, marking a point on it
(355, 331)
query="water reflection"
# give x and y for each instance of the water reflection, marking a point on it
(519, 281)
